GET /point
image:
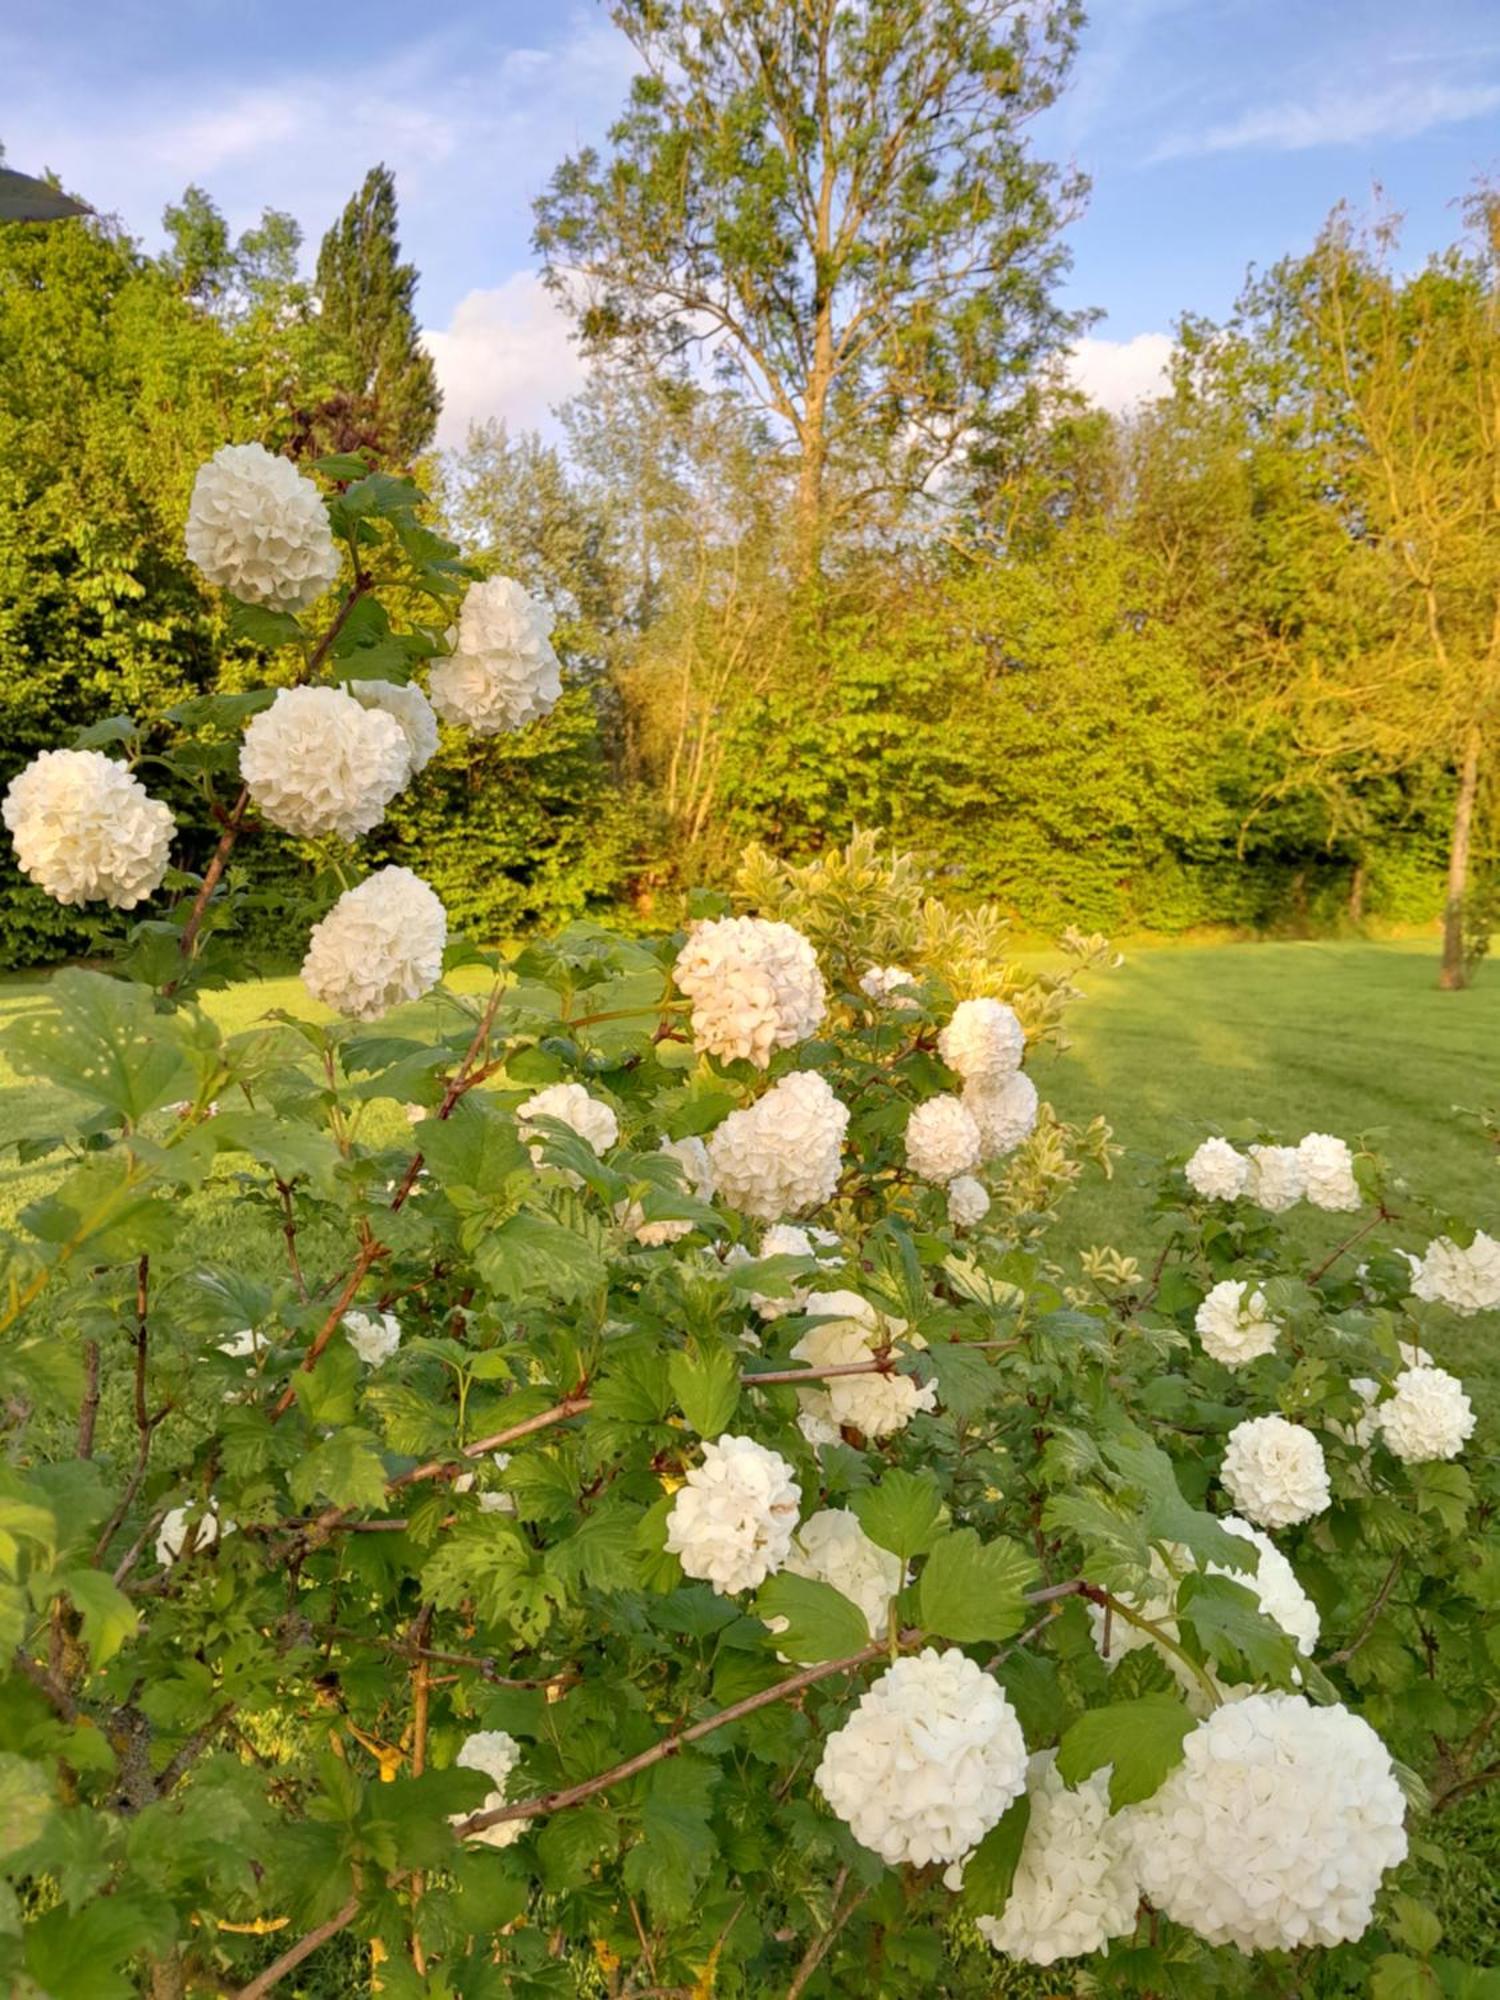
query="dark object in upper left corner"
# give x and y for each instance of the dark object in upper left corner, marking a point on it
(24, 199)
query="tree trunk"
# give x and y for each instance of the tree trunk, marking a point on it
(1357, 892)
(1453, 975)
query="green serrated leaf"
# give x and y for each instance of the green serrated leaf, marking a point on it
(972, 1590)
(821, 1623)
(706, 1383)
(1142, 1740)
(904, 1513)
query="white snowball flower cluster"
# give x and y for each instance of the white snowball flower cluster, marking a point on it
(1217, 1171)
(1465, 1280)
(494, 1753)
(1274, 1180)
(374, 1337)
(831, 1547)
(928, 1762)
(257, 527)
(1275, 1472)
(968, 1201)
(188, 1531)
(853, 1330)
(86, 830)
(1319, 1169)
(782, 1154)
(942, 1139)
(410, 709)
(984, 1042)
(732, 1520)
(1429, 1416)
(888, 986)
(691, 1156)
(1235, 1325)
(316, 762)
(755, 988)
(1328, 1172)
(502, 672)
(1075, 1885)
(381, 944)
(571, 1105)
(1276, 1828)
(1005, 1113)
(785, 1239)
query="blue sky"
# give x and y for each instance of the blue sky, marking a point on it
(1218, 133)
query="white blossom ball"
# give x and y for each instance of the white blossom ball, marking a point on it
(731, 1521)
(1217, 1171)
(984, 1042)
(942, 1139)
(1075, 1885)
(257, 527)
(1429, 1417)
(86, 830)
(1005, 1113)
(968, 1201)
(691, 1157)
(494, 1753)
(1328, 1172)
(783, 1154)
(502, 672)
(785, 1239)
(1275, 1178)
(889, 986)
(1274, 1472)
(189, 1531)
(1465, 1280)
(852, 1331)
(831, 1547)
(1276, 1828)
(571, 1105)
(316, 762)
(381, 944)
(1235, 1324)
(755, 988)
(374, 1337)
(409, 708)
(928, 1762)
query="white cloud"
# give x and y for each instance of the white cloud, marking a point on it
(1118, 374)
(505, 353)
(1340, 118)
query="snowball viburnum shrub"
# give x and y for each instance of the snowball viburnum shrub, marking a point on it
(317, 762)
(257, 527)
(502, 672)
(1005, 1112)
(1235, 1324)
(1428, 1417)
(1275, 1472)
(755, 988)
(851, 1332)
(1328, 1172)
(1217, 1171)
(373, 1336)
(1275, 1180)
(1465, 1279)
(781, 1155)
(968, 1201)
(942, 1140)
(86, 830)
(571, 1105)
(381, 944)
(494, 1753)
(410, 709)
(732, 1521)
(831, 1547)
(984, 1042)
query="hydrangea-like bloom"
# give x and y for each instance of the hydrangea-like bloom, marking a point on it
(495, 1754)
(1276, 1828)
(86, 830)
(373, 1338)
(257, 527)
(928, 1762)
(968, 1201)
(1005, 1113)
(875, 1404)
(942, 1139)
(691, 1155)
(1466, 1281)
(732, 1520)
(782, 1154)
(316, 762)
(1234, 1324)
(571, 1105)
(831, 1547)
(1429, 1416)
(888, 986)
(785, 1239)
(381, 944)
(1275, 1178)
(502, 672)
(1075, 1886)
(409, 708)
(1217, 1171)
(1328, 1172)
(755, 988)
(1274, 1472)
(984, 1042)
(186, 1530)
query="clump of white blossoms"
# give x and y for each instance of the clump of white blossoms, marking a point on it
(258, 528)
(781, 1155)
(755, 988)
(877, 1404)
(691, 1157)
(1429, 1416)
(731, 1522)
(831, 1547)
(1276, 1828)
(1465, 1280)
(374, 1337)
(889, 986)
(1274, 1182)
(928, 1762)
(785, 1239)
(942, 1139)
(494, 1754)
(188, 1531)
(968, 1201)
(502, 672)
(1075, 1884)
(409, 708)
(1275, 1473)
(570, 1104)
(381, 944)
(86, 830)
(1217, 1171)
(1235, 1324)
(1005, 1113)
(316, 762)
(984, 1042)
(1328, 1172)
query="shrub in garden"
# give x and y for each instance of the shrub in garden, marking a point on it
(648, 1514)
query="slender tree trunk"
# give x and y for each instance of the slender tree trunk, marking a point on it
(1452, 977)
(1357, 892)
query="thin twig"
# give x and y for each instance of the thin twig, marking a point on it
(1382, 1214)
(192, 1749)
(88, 1410)
(818, 1950)
(291, 1958)
(1371, 1618)
(145, 1423)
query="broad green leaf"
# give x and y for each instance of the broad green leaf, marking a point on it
(325, 1391)
(86, 1954)
(991, 1868)
(531, 1257)
(1233, 1630)
(291, 1150)
(822, 1624)
(102, 1039)
(25, 1801)
(346, 1470)
(109, 1617)
(707, 1386)
(972, 1590)
(1141, 1739)
(1168, 1516)
(904, 1513)
(257, 625)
